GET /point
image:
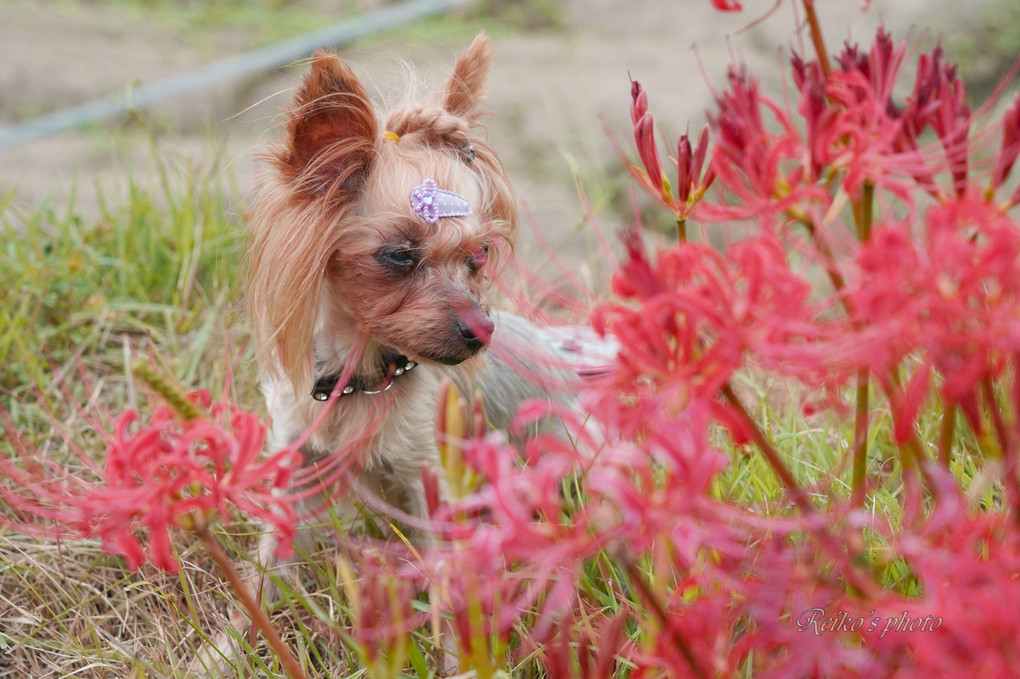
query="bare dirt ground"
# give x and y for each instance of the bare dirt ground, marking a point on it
(551, 88)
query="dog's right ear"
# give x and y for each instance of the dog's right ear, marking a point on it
(331, 129)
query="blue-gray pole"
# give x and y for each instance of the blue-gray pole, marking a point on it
(263, 59)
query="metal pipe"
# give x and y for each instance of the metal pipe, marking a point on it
(271, 56)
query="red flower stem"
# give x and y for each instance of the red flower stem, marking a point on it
(258, 616)
(662, 615)
(815, 29)
(681, 229)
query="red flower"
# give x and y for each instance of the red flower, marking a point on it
(689, 163)
(652, 178)
(162, 475)
(700, 313)
(1010, 146)
(692, 182)
(767, 171)
(940, 100)
(863, 132)
(952, 297)
(966, 623)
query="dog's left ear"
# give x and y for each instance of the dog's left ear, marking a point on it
(464, 92)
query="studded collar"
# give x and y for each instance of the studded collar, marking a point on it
(393, 367)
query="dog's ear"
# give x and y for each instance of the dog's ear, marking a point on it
(332, 128)
(464, 91)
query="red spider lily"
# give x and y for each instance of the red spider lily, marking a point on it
(880, 67)
(690, 162)
(585, 652)
(940, 100)
(701, 315)
(1010, 146)
(692, 179)
(767, 172)
(644, 137)
(930, 294)
(852, 126)
(968, 570)
(380, 595)
(167, 473)
(527, 543)
(863, 132)
(953, 297)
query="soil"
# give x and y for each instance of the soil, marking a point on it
(554, 90)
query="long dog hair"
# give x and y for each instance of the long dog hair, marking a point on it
(361, 303)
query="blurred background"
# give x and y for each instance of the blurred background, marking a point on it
(560, 80)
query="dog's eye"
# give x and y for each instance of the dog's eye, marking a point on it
(478, 258)
(397, 258)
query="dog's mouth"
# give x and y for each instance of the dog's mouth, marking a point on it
(469, 333)
(451, 359)
(453, 353)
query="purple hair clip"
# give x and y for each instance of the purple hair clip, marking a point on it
(430, 202)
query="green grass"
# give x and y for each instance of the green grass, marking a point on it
(159, 263)
(158, 270)
(262, 22)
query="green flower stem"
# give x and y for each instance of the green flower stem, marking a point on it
(1006, 445)
(946, 433)
(860, 467)
(863, 215)
(258, 616)
(658, 609)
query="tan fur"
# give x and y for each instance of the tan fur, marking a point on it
(327, 296)
(335, 188)
(334, 199)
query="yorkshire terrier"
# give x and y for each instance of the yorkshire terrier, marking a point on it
(371, 258)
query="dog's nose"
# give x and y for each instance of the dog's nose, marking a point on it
(475, 328)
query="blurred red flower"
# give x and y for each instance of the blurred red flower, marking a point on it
(164, 474)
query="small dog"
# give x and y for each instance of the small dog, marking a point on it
(371, 257)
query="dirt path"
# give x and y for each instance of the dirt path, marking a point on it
(550, 88)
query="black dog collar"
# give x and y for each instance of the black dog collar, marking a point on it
(393, 367)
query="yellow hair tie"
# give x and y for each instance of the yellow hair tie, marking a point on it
(391, 136)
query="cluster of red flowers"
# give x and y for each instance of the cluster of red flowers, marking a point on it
(171, 472)
(877, 260)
